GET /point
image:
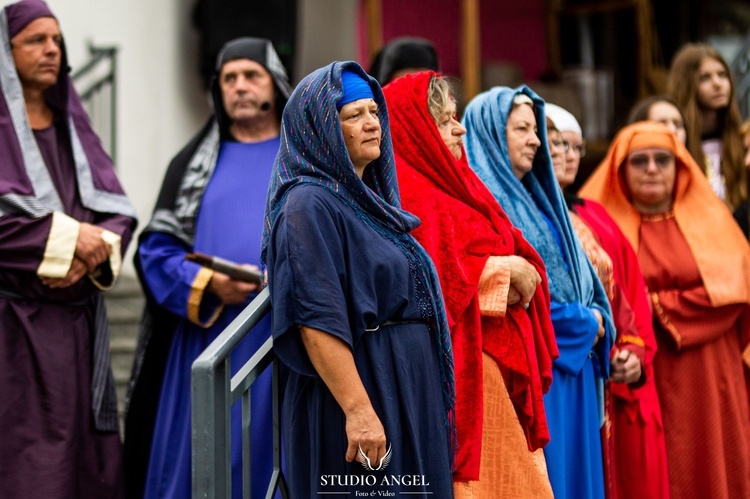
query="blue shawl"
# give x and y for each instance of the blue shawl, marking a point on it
(571, 276)
(313, 151)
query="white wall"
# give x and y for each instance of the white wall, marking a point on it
(326, 32)
(160, 99)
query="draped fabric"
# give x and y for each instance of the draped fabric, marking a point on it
(508, 469)
(637, 449)
(191, 169)
(462, 226)
(29, 189)
(716, 242)
(313, 151)
(571, 276)
(25, 186)
(172, 232)
(229, 225)
(536, 206)
(695, 263)
(699, 370)
(59, 416)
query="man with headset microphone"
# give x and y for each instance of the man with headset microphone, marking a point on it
(212, 201)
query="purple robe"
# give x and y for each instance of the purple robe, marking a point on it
(58, 419)
(50, 446)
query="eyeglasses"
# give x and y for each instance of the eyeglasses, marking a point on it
(560, 144)
(642, 161)
(580, 148)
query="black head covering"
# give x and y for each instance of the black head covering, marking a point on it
(261, 51)
(400, 53)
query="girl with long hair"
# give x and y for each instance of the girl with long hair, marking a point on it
(701, 84)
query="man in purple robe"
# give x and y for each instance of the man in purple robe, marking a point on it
(212, 201)
(64, 225)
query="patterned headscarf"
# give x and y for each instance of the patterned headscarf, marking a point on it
(313, 151)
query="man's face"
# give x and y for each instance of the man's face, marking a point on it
(245, 87)
(37, 53)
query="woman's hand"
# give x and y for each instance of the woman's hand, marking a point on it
(334, 362)
(364, 431)
(626, 367)
(600, 332)
(524, 279)
(514, 296)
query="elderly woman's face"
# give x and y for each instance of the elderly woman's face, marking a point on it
(522, 139)
(664, 112)
(361, 128)
(650, 175)
(451, 130)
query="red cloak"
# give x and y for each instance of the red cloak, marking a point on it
(462, 226)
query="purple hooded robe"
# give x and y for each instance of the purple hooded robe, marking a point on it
(59, 412)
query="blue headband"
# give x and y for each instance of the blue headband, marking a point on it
(355, 87)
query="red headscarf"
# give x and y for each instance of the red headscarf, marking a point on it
(462, 226)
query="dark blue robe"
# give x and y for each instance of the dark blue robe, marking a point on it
(331, 271)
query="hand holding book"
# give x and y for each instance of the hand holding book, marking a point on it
(232, 269)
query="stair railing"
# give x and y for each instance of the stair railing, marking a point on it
(96, 83)
(214, 391)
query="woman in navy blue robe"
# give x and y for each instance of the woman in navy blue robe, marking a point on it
(358, 319)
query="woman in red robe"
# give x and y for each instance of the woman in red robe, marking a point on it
(503, 342)
(696, 264)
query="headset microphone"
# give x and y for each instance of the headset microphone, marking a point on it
(265, 106)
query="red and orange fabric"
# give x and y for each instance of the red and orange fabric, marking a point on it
(637, 453)
(696, 264)
(462, 226)
(709, 230)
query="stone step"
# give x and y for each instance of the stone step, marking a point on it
(124, 308)
(122, 354)
(125, 286)
(127, 330)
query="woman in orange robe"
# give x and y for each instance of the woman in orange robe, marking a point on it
(696, 263)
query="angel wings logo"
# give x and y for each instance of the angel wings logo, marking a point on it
(384, 461)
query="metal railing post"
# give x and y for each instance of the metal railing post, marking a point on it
(211, 426)
(213, 392)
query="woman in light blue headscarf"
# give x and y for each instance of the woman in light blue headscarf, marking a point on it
(358, 316)
(510, 154)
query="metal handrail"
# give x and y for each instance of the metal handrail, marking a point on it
(106, 126)
(213, 392)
